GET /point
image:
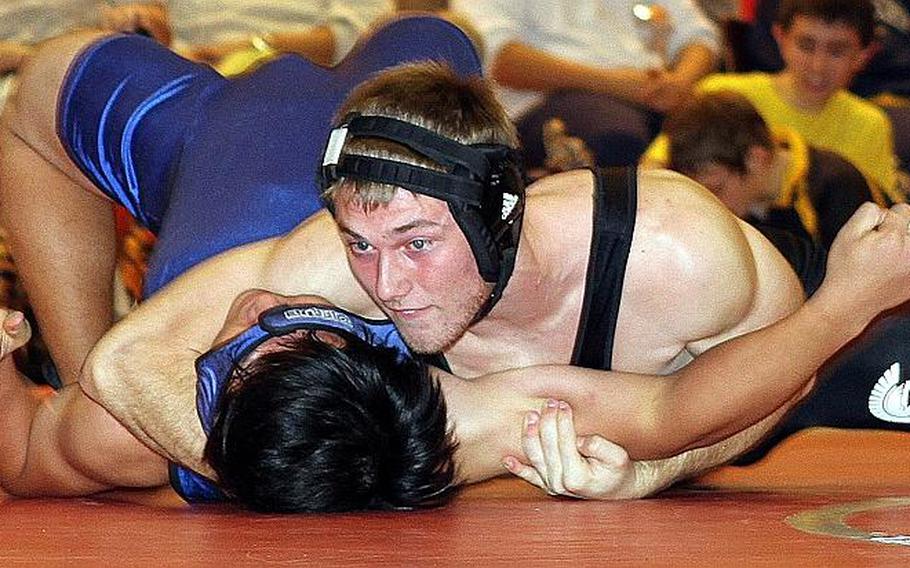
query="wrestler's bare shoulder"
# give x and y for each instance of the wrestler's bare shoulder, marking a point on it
(681, 224)
(670, 205)
(669, 200)
(312, 259)
(689, 254)
(560, 204)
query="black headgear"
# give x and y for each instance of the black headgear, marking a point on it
(483, 184)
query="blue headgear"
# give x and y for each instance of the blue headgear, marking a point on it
(214, 368)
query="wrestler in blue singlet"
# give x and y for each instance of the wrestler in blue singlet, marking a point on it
(210, 163)
(189, 152)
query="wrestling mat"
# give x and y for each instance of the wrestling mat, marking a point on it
(821, 498)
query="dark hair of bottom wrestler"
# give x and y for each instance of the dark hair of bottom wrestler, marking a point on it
(358, 429)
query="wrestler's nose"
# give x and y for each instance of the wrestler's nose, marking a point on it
(392, 278)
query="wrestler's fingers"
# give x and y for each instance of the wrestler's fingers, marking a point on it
(15, 324)
(576, 474)
(525, 472)
(568, 439)
(549, 442)
(865, 219)
(603, 450)
(530, 444)
(896, 219)
(16, 332)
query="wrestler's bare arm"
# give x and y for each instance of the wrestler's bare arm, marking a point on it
(649, 477)
(737, 383)
(739, 379)
(143, 371)
(489, 416)
(73, 447)
(694, 279)
(60, 442)
(700, 277)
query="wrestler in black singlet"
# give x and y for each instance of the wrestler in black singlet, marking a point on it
(863, 386)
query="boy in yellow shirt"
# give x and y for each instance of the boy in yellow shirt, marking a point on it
(823, 43)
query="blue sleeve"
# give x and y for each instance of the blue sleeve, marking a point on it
(124, 111)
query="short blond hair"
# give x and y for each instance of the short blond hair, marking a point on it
(430, 95)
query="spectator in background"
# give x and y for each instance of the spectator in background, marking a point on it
(888, 71)
(824, 44)
(763, 175)
(885, 79)
(767, 176)
(607, 69)
(235, 34)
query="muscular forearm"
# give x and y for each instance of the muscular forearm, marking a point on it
(142, 370)
(650, 477)
(157, 406)
(722, 392)
(522, 67)
(752, 387)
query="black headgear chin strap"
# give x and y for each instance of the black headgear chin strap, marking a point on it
(483, 185)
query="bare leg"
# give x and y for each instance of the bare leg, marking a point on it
(60, 232)
(62, 443)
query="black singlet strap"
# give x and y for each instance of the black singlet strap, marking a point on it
(615, 202)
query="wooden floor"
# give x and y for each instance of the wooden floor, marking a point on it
(823, 498)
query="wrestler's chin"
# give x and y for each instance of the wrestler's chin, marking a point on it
(425, 333)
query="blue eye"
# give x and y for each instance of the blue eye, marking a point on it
(360, 246)
(419, 244)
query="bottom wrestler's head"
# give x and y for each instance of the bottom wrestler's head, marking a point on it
(325, 417)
